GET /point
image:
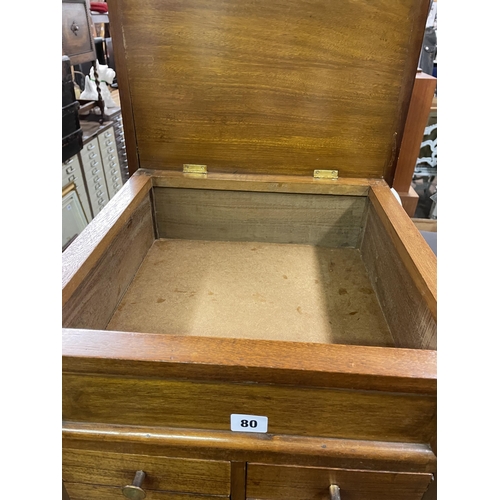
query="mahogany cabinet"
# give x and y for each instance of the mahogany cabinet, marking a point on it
(254, 315)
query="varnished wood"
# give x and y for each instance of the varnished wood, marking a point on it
(294, 410)
(83, 491)
(241, 360)
(299, 483)
(409, 201)
(410, 319)
(418, 258)
(418, 115)
(239, 447)
(115, 13)
(265, 88)
(178, 475)
(238, 480)
(263, 183)
(268, 87)
(328, 221)
(83, 254)
(92, 304)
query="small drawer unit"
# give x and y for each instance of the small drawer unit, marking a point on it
(94, 175)
(110, 162)
(72, 173)
(121, 153)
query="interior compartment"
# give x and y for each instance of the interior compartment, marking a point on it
(257, 265)
(253, 290)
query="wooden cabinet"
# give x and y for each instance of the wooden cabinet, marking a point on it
(299, 483)
(257, 263)
(77, 39)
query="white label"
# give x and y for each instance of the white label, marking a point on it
(248, 423)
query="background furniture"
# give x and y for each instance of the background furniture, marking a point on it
(94, 172)
(416, 121)
(263, 94)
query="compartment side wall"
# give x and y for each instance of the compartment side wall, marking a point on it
(409, 318)
(198, 214)
(92, 304)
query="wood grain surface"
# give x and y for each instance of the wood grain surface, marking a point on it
(410, 319)
(93, 302)
(258, 361)
(328, 221)
(253, 290)
(269, 87)
(207, 477)
(416, 255)
(262, 183)
(240, 447)
(349, 414)
(301, 483)
(238, 480)
(416, 120)
(82, 491)
(115, 15)
(83, 254)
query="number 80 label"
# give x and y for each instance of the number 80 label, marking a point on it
(248, 423)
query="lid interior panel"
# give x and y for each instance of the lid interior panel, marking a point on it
(280, 87)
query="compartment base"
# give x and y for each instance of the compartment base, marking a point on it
(251, 290)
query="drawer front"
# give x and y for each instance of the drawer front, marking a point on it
(76, 34)
(77, 491)
(110, 161)
(94, 176)
(90, 153)
(306, 483)
(72, 172)
(175, 475)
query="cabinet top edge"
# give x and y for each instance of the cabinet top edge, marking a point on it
(245, 360)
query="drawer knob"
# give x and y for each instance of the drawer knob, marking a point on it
(334, 492)
(134, 491)
(74, 27)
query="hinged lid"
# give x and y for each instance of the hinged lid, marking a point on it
(260, 86)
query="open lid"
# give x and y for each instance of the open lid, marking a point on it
(267, 86)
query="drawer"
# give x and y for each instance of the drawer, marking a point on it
(71, 172)
(106, 139)
(305, 483)
(80, 491)
(77, 39)
(174, 475)
(70, 167)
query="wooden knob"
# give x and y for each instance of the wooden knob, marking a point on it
(334, 492)
(134, 491)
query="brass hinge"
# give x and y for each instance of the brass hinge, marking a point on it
(190, 168)
(326, 174)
